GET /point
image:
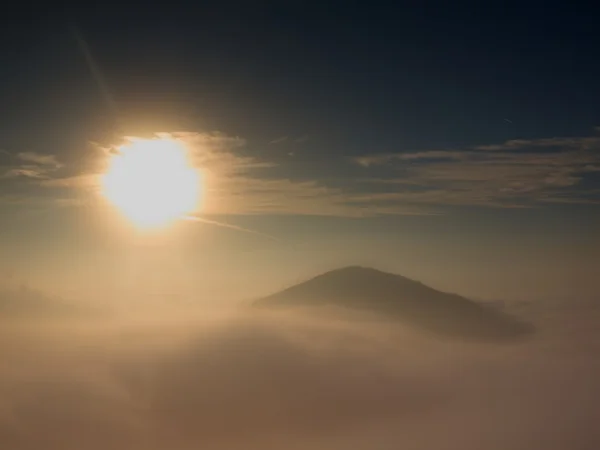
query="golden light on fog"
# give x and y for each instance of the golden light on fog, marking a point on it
(151, 182)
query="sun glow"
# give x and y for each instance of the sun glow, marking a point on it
(151, 182)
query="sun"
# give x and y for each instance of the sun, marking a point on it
(151, 182)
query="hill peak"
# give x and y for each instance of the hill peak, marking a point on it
(399, 298)
(360, 272)
(356, 270)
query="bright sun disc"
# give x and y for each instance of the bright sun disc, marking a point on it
(151, 182)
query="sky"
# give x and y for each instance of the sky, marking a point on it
(455, 145)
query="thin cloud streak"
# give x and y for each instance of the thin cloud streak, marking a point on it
(230, 226)
(29, 165)
(236, 181)
(517, 173)
(279, 140)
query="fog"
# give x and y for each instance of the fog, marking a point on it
(244, 379)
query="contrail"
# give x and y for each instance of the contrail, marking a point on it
(230, 226)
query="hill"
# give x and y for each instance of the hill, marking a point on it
(402, 299)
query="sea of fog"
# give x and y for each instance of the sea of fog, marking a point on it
(244, 379)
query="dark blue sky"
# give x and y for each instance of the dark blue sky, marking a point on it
(362, 77)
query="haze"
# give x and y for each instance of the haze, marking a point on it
(276, 380)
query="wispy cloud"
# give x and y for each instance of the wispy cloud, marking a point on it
(29, 165)
(516, 173)
(235, 181)
(279, 140)
(238, 180)
(41, 160)
(383, 158)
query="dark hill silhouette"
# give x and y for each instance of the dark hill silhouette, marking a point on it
(400, 298)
